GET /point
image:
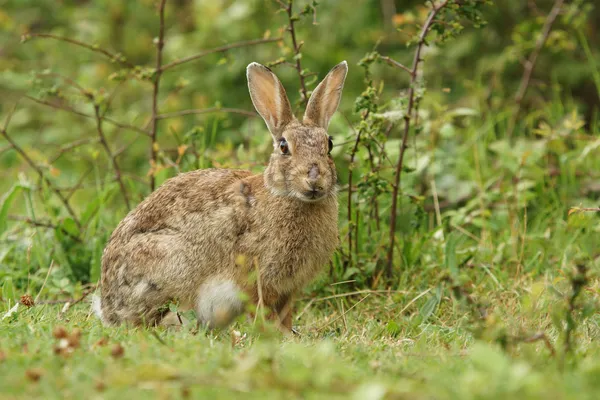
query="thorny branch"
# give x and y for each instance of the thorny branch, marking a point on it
(288, 8)
(350, 170)
(395, 63)
(220, 49)
(42, 224)
(155, 87)
(111, 156)
(407, 119)
(82, 114)
(207, 111)
(532, 60)
(38, 170)
(112, 56)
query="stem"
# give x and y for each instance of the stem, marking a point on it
(111, 156)
(82, 114)
(218, 50)
(39, 171)
(207, 111)
(411, 100)
(112, 56)
(531, 61)
(298, 66)
(155, 88)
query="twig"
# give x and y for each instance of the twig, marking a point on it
(411, 100)
(82, 114)
(71, 302)
(112, 56)
(40, 224)
(576, 210)
(207, 111)
(110, 155)
(395, 63)
(537, 337)
(41, 174)
(220, 49)
(350, 170)
(78, 185)
(531, 61)
(70, 146)
(67, 80)
(155, 86)
(296, 47)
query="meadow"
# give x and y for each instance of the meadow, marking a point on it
(467, 147)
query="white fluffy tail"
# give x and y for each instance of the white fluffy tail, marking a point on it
(97, 306)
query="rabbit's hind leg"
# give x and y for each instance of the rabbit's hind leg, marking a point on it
(140, 303)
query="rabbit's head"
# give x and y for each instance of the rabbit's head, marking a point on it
(300, 165)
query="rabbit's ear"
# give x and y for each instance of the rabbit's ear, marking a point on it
(325, 98)
(269, 98)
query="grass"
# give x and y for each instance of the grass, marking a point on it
(348, 347)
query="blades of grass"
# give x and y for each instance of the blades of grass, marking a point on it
(590, 58)
(5, 204)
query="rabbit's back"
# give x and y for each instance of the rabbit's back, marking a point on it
(174, 240)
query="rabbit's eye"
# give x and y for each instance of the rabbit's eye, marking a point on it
(283, 146)
(330, 145)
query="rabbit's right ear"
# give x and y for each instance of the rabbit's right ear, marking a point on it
(269, 98)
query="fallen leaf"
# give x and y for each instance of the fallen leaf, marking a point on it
(117, 351)
(34, 374)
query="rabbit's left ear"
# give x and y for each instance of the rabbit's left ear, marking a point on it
(269, 98)
(325, 99)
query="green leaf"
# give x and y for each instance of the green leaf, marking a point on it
(5, 204)
(429, 307)
(70, 226)
(392, 328)
(90, 210)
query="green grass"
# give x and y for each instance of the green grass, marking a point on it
(346, 348)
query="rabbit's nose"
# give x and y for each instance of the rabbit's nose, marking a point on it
(313, 172)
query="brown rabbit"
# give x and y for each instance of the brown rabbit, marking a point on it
(206, 239)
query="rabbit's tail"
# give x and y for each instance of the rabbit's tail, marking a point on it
(97, 306)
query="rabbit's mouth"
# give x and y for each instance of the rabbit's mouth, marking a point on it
(313, 195)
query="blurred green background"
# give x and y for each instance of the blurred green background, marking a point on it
(470, 81)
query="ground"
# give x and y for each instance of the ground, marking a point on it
(338, 353)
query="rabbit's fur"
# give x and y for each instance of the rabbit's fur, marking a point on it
(208, 238)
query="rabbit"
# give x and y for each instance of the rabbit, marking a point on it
(213, 239)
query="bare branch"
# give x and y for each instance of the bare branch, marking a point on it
(42, 224)
(395, 63)
(155, 87)
(350, 170)
(531, 62)
(220, 49)
(111, 156)
(70, 146)
(79, 184)
(41, 174)
(82, 114)
(296, 47)
(207, 111)
(407, 118)
(112, 56)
